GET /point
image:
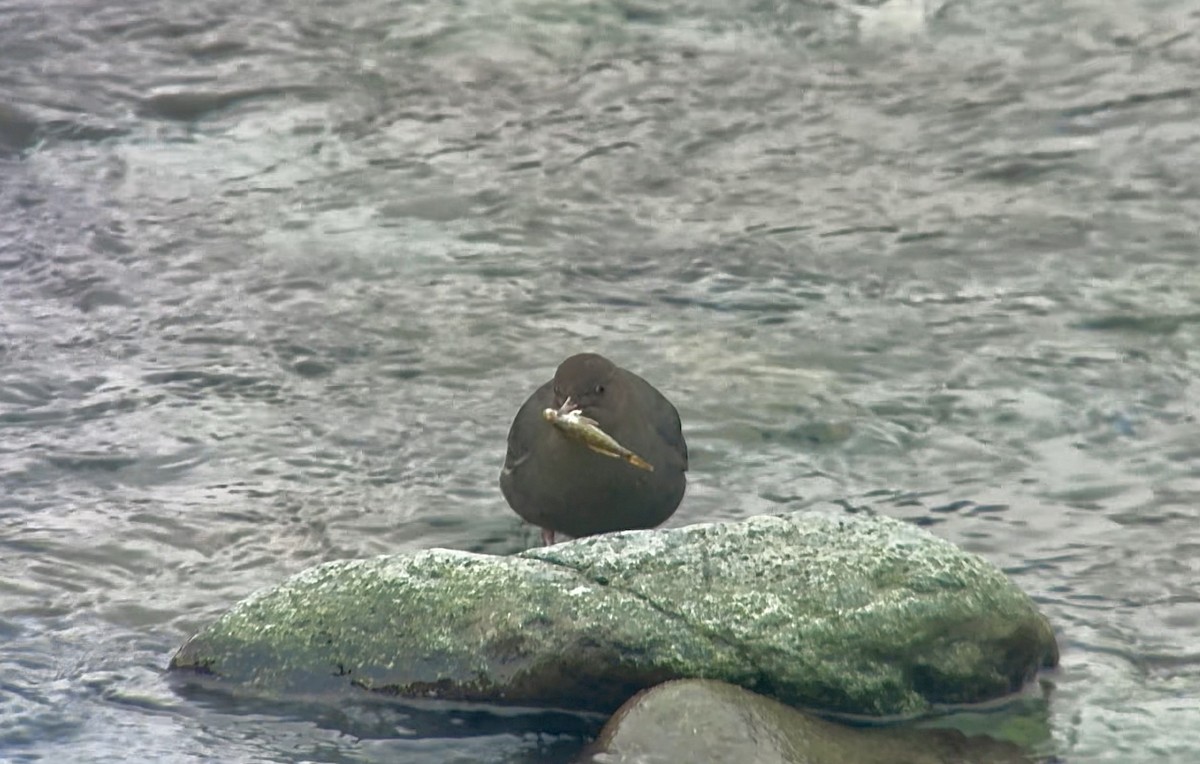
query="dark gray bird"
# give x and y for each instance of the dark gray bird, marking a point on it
(560, 485)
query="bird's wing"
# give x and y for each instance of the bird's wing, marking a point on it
(524, 431)
(669, 428)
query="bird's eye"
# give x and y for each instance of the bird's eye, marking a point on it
(599, 389)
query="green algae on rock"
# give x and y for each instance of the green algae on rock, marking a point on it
(849, 613)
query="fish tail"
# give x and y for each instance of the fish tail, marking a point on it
(639, 462)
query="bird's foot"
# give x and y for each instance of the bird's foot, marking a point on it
(547, 537)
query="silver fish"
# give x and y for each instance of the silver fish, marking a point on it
(576, 426)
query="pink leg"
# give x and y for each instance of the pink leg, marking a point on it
(547, 537)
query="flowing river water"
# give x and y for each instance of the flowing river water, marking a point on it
(275, 276)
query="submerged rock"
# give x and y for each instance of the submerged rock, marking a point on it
(706, 722)
(849, 613)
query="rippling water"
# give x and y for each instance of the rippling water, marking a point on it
(275, 276)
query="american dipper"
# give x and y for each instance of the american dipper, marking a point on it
(561, 486)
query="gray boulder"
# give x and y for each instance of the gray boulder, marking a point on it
(849, 613)
(705, 722)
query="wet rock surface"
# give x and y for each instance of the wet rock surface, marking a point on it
(707, 722)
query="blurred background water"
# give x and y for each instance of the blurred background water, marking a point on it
(274, 277)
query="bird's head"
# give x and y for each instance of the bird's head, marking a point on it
(583, 382)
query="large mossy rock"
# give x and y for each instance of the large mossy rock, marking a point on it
(705, 722)
(845, 612)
